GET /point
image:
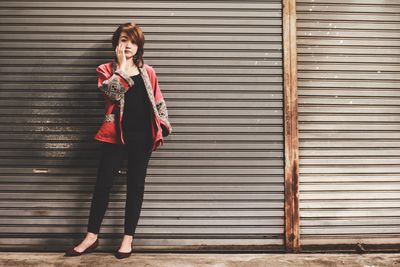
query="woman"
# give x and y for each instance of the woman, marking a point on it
(136, 120)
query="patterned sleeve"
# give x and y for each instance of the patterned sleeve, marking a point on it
(165, 125)
(113, 87)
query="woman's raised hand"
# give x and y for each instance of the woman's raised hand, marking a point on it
(120, 51)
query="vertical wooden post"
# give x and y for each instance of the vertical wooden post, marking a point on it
(292, 216)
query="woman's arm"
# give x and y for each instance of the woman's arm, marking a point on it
(161, 107)
(113, 87)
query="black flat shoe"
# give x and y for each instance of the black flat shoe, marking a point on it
(71, 252)
(122, 255)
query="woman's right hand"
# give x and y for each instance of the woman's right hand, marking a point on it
(120, 51)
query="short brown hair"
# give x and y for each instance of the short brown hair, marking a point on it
(136, 35)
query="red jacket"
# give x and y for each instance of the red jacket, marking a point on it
(113, 83)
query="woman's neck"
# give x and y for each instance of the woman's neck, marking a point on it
(131, 66)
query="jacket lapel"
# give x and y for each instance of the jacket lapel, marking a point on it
(149, 88)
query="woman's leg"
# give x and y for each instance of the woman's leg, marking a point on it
(110, 161)
(139, 153)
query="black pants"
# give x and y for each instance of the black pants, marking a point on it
(138, 148)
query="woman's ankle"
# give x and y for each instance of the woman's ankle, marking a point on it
(92, 236)
(127, 237)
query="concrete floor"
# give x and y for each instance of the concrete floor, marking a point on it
(201, 259)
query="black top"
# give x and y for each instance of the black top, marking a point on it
(137, 108)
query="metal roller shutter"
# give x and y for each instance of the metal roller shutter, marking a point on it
(349, 64)
(218, 180)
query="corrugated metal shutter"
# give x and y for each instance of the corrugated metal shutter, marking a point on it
(349, 65)
(219, 178)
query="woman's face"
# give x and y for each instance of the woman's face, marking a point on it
(129, 47)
